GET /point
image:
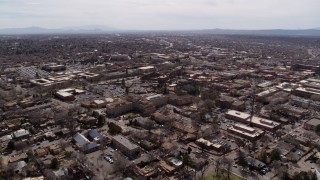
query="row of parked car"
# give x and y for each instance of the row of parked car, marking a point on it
(108, 157)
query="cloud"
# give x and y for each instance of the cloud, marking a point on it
(162, 14)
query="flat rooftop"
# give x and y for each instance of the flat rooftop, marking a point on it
(255, 120)
(251, 133)
(264, 122)
(125, 142)
(238, 114)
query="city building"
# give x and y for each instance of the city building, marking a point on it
(84, 144)
(258, 122)
(125, 146)
(245, 132)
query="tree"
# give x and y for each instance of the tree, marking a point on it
(189, 150)
(314, 176)
(95, 114)
(217, 164)
(114, 129)
(54, 163)
(242, 159)
(263, 156)
(240, 143)
(120, 163)
(228, 167)
(318, 129)
(101, 120)
(275, 154)
(285, 176)
(186, 160)
(203, 170)
(301, 176)
(11, 145)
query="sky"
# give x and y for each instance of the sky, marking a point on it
(162, 14)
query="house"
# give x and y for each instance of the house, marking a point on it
(55, 149)
(311, 124)
(168, 169)
(147, 145)
(146, 171)
(18, 157)
(6, 138)
(284, 147)
(175, 162)
(41, 152)
(125, 146)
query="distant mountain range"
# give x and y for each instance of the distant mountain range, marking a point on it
(97, 29)
(89, 29)
(273, 32)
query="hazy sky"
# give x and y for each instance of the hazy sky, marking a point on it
(162, 14)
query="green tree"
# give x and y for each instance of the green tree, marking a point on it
(101, 120)
(314, 176)
(301, 176)
(275, 154)
(114, 129)
(242, 159)
(54, 163)
(187, 161)
(285, 176)
(11, 145)
(318, 129)
(189, 150)
(95, 114)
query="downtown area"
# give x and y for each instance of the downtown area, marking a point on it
(159, 105)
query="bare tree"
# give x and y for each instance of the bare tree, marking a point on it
(120, 163)
(63, 144)
(203, 170)
(240, 143)
(227, 165)
(217, 165)
(82, 158)
(103, 144)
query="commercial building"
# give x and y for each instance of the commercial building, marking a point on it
(65, 96)
(306, 92)
(245, 132)
(119, 107)
(262, 123)
(120, 57)
(146, 69)
(54, 67)
(84, 144)
(125, 146)
(264, 94)
(157, 99)
(211, 145)
(20, 134)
